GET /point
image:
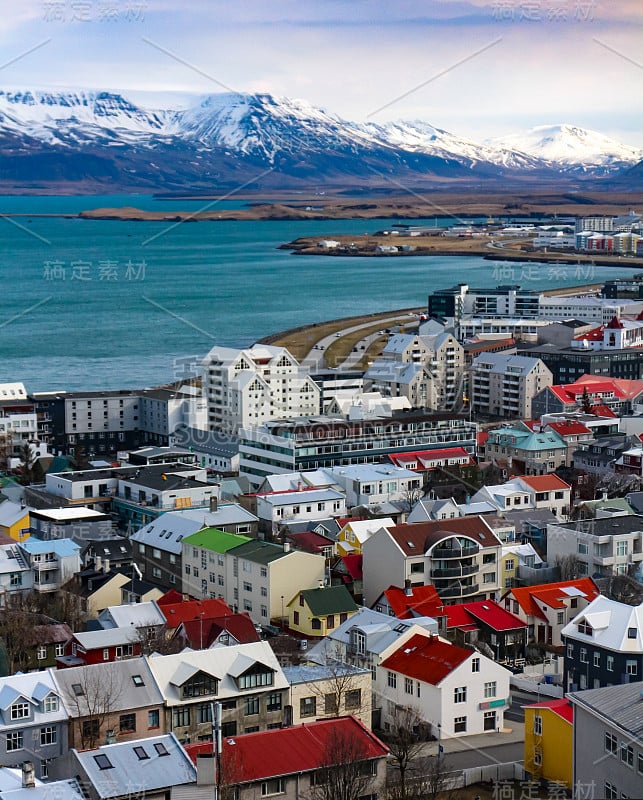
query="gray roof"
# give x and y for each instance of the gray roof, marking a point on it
(621, 705)
(126, 694)
(210, 442)
(607, 526)
(160, 764)
(635, 499)
(501, 362)
(318, 672)
(134, 614)
(393, 371)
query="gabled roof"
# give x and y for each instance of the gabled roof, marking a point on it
(215, 540)
(561, 707)
(353, 564)
(10, 513)
(151, 764)
(426, 658)
(239, 626)
(422, 601)
(176, 613)
(621, 706)
(492, 614)
(328, 600)
(134, 614)
(569, 427)
(364, 529)
(615, 626)
(416, 539)
(287, 751)
(551, 594)
(310, 541)
(544, 483)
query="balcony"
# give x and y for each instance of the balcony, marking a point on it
(455, 552)
(454, 572)
(457, 591)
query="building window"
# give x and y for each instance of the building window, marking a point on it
(585, 627)
(273, 701)
(60, 649)
(50, 704)
(250, 706)
(127, 723)
(610, 663)
(153, 719)
(631, 667)
(180, 717)
(460, 694)
(570, 651)
(408, 686)
(307, 706)
(41, 653)
(597, 659)
(247, 587)
(392, 680)
(489, 722)
(20, 711)
(490, 689)
(583, 655)
(538, 725)
(627, 754)
(353, 698)
(48, 735)
(560, 617)
(475, 664)
(274, 786)
(460, 725)
(199, 686)
(611, 744)
(14, 741)
(611, 792)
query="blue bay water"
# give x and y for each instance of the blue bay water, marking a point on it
(101, 304)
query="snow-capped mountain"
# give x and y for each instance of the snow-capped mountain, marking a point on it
(570, 146)
(104, 136)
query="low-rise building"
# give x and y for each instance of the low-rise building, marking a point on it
(604, 645)
(317, 612)
(329, 690)
(53, 563)
(14, 520)
(376, 484)
(78, 523)
(528, 451)
(355, 532)
(549, 741)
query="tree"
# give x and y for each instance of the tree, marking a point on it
(569, 567)
(345, 772)
(91, 698)
(340, 692)
(405, 741)
(154, 638)
(586, 402)
(27, 463)
(432, 781)
(624, 589)
(16, 621)
(411, 497)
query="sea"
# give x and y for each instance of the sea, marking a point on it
(97, 304)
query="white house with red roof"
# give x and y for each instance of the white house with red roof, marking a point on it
(456, 691)
(617, 394)
(548, 607)
(528, 492)
(618, 334)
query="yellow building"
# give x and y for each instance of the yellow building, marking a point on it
(549, 741)
(317, 612)
(14, 521)
(353, 535)
(508, 568)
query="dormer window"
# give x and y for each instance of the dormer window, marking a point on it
(50, 704)
(585, 627)
(257, 675)
(200, 685)
(20, 710)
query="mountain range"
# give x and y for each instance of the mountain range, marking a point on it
(102, 140)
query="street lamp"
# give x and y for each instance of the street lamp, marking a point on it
(282, 613)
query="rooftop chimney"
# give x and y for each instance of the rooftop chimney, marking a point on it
(287, 547)
(407, 588)
(28, 775)
(98, 563)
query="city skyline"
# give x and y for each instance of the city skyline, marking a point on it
(476, 68)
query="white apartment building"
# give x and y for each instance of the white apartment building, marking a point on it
(245, 388)
(503, 385)
(18, 423)
(588, 309)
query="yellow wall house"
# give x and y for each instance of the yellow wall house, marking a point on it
(549, 741)
(317, 612)
(353, 535)
(14, 521)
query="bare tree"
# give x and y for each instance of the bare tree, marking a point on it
(155, 638)
(91, 699)
(340, 692)
(406, 738)
(345, 773)
(623, 589)
(16, 621)
(569, 567)
(433, 780)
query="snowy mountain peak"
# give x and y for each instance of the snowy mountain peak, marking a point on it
(570, 145)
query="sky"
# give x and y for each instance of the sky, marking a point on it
(477, 68)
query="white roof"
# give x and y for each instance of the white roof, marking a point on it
(11, 787)
(522, 551)
(219, 661)
(611, 623)
(73, 512)
(34, 687)
(305, 496)
(13, 391)
(288, 481)
(372, 472)
(365, 528)
(106, 637)
(11, 559)
(134, 614)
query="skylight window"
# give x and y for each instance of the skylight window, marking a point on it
(141, 753)
(77, 689)
(161, 749)
(103, 762)
(138, 680)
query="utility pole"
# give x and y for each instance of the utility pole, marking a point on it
(216, 747)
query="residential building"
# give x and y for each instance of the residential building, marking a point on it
(177, 609)
(14, 783)
(608, 740)
(515, 557)
(573, 432)
(549, 741)
(601, 547)
(246, 679)
(456, 691)
(53, 563)
(304, 505)
(114, 552)
(620, 396)
(317, 612)
(14, 520)
(568, 363)
(229, 629)
(547, 608)
(355, 532)
(33, 720)
(248, 387)
(18, 424)
(503, 385)
(429, 460)
(376, 484)
(100, 646)
(217, 451)
(158, 548)
(290, 762)
(604, 645)
(460, 557)
(249, 574)
(329, 690)
(600, 456)
(133, 616)
(78, 523)
(630, 462)
(118, 700)
(547, 492)
(326, 442)
(528, 451)
(43, 640)
(16, 575)
(153, 768)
